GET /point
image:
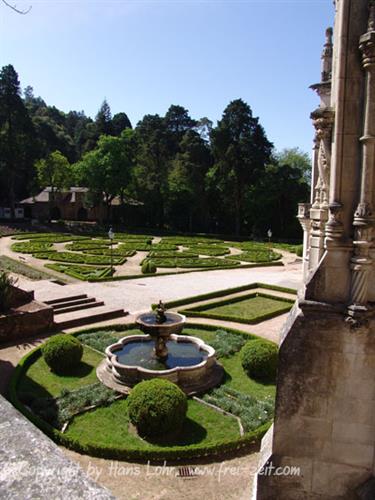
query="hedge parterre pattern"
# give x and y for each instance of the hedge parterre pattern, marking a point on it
(83, 273)
(193, 253)
(80, 258)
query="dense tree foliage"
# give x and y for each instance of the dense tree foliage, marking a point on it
(17, 150)
(185, 174)
(241, 151)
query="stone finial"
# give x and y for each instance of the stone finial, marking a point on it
(327, 56)
(371, 17)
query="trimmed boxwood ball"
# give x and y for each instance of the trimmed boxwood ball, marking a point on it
(148, 267)
(157, 407)
(259, 359)
(62, 353)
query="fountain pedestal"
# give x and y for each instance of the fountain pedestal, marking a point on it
(161, 353)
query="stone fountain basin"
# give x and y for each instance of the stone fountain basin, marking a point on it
(173, 325)
(189, 378)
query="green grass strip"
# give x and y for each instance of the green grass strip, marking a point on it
(13, 266)
(203, 311)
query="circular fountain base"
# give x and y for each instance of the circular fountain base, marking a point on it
(191, 364)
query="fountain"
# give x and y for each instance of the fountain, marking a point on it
(160, 352)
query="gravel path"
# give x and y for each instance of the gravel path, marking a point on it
(137, 295)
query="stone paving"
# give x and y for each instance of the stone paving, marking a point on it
(230, 479)
(137, 295)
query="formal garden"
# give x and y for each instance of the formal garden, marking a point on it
(126, 256)
(59, 388)
(56, 387)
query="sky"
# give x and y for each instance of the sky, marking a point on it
(144, 55)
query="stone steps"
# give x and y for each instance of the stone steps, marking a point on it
(79, 307)
(70, 303)
(65, 299)
(77, 310)
(87, 316)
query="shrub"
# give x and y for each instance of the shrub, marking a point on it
(81, 258)
(212, 250)
(226, 343)
(190, 262)
(253, 412)
(256, 256)
(62, 353)
(299, 251)
(31, 247)
(148, 267)
(157, 407)
(259, 359)
(81, 272)
(6, 284)
(99, 340)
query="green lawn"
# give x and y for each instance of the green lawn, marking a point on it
(42, 382)
(13, 266)
(246, 309)
(109, 426)
(236, 378)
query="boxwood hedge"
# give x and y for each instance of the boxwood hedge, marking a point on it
(158, 453)
(31, 247)
(203, 310)
(78, 258)
(83, 273)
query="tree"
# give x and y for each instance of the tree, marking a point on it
(106, 170)
(296, 158)
(152, 165)
(14, 7)
(272, 202)
(204, 128)
(241, 151)
(187, 197)
(54, 171)
(120, 122)
(177, 122)
(16, 137)
(103, 120)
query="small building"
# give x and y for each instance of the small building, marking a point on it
(71, 204)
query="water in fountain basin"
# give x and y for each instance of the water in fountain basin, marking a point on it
(150, 319)
(141, 353)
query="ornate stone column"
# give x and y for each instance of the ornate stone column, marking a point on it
(322, 118)
(304, 219)
(363, 221)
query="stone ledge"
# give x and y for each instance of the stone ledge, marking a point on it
(32, 466)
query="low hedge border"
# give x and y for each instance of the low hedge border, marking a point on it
(190, 262)
(198, 312)
(80, 258)
(223, 293)
(137, 276)
(132, 454)
(70, 271)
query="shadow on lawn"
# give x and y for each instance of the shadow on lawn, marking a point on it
(191, 433)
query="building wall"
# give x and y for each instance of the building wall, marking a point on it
(325, 403)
